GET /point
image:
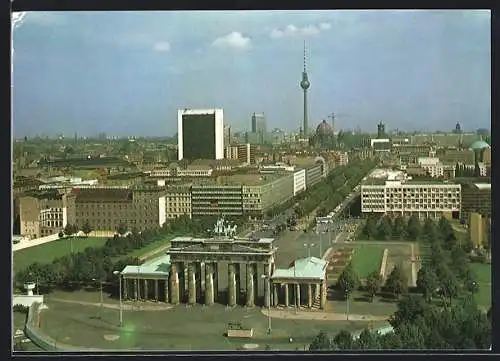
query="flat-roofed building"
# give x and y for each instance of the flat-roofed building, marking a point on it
(432, 165)
(271, 190)
(476, 197)
(41, 214)
(105, 209)
(216, 199)
(178, 201)
(395, 195)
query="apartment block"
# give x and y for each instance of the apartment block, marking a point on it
(476, 197)
(432, 166)
(178, 201)
(41, 214)
(402, 197)
(105, 209)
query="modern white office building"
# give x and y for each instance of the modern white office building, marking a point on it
(200, 134)
(396, 195)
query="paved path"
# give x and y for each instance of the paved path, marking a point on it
(140, 306)
(325, 316)
(154, 252)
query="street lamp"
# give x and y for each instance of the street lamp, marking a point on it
(117, 273)
(347, 305)
(268, 277)
(100, 291)
(308, 246)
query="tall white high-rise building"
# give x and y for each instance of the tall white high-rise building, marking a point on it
(200, 134)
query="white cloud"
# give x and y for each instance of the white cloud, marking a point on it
(292, 30)
(162, 46)
(234, 40)
(325, 26)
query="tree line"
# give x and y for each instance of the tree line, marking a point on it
(392, 228)
(442, 314)
(339, 184)
(78, 269)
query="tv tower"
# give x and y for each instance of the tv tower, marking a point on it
(305, 84)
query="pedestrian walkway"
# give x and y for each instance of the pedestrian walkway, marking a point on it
(128, 306)
(321, 316)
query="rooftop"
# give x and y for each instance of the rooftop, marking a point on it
(310, 267)
(156, 267)
(483, 186)
(102, 194)
(249, 179)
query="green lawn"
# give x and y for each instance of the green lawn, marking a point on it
(46, 253)
(483, 272)
(157, 242)
(367, 258)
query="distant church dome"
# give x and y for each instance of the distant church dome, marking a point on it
(324, 129)
(480, 144)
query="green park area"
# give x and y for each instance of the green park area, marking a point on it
(180, 328)
(158, 244)
(367, 258)
(47, 252)
(483, 273)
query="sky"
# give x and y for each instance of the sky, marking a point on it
(127, 73)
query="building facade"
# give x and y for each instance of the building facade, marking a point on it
(41, 215)
(399, 198)
(214, 200)
(432, 166)
(106, 209)
(178, 202)
(200, 134)
(299, 181)
(476, 197)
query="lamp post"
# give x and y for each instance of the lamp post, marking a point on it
(308, 246)
(268, 277)
(347, 305)
(100, 292)
(117, 273)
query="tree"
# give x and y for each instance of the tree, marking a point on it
(348, 280)
(413, 228)
(390, 341)
(343, 340)
(373, 284)
(367, 340)
(399, 226)
(409, 308)
(122, 229)
(320, 343)
(411, 337)
(86, 228)
(437, 257)
(430, 230)
(397, 281)
(449, 284)
(370, 229)
(69, 230)
(445, 228)
(427, 282)
(384, 230)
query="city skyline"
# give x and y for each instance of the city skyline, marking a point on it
(414, 70)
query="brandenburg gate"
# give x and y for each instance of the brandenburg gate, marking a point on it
(195, 265)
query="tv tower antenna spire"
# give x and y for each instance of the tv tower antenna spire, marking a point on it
(305, 84)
